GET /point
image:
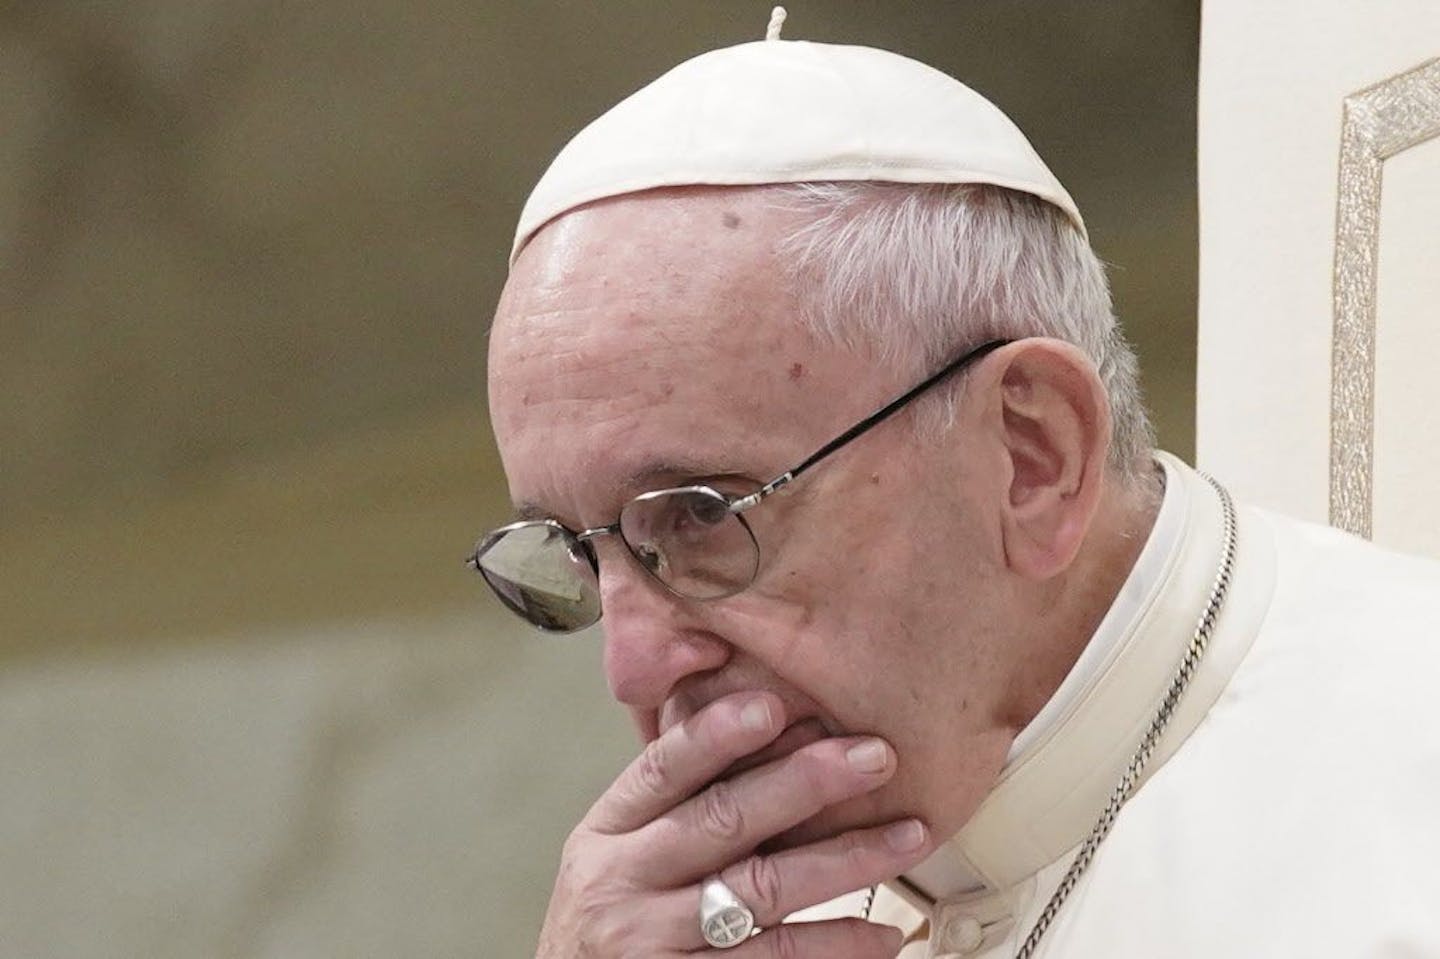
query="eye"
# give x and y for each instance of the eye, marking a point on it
(707, 510)
(692, 518)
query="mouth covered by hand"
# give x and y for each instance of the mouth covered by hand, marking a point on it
(778, 808)
(796, 736)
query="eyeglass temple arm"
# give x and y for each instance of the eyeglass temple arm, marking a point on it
(879, 416)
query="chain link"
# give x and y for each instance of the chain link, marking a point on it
(1131, 778)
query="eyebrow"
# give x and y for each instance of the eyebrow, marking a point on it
(651, 476)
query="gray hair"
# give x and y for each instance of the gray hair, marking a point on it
(917, 273)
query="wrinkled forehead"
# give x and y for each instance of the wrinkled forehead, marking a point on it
(653, 327)
(626, 282)
(670, 243)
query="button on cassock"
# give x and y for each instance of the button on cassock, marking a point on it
(963, 934)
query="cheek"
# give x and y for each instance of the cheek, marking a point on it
(838, 605)
(892, 627)
(839, 648)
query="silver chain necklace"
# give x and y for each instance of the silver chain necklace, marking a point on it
(1126, 787)
(1123, 790)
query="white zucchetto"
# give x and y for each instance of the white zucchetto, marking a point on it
(788, 111)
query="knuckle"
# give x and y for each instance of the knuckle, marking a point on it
(595, 919)
(579, 873)
(762, 876)
(584, 902)
(607, 930)
(816, 768)
(719, 813)
(855, 850)
(652, 769)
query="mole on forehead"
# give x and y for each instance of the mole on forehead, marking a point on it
(652, 476)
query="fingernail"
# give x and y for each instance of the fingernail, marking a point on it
(905, 836)
(756, 715)
(867, 756)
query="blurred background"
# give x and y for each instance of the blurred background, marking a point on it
(251, 703)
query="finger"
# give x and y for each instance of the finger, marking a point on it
(832, 939)
(731, 817)
(775, 886)
(685, 757)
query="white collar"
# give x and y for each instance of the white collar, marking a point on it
(1064, 762)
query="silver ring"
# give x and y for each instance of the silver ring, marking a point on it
(725, 921)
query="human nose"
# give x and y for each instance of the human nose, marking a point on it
(652, 641)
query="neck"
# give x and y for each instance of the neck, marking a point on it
(1065, 612)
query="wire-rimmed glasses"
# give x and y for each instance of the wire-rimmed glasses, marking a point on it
(694, 540)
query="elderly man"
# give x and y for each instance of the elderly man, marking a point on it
(805, 376)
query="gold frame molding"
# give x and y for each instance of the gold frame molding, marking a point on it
(1377, 123)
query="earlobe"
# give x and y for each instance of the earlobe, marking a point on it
(1055, 425)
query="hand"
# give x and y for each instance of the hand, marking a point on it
(629, 876)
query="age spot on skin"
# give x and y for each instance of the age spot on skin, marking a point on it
(797, 370)
(731, 220)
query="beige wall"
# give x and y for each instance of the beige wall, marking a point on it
(250, 703)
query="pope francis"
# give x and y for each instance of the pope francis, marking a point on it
(809, 391)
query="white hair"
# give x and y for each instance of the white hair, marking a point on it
(920, 272)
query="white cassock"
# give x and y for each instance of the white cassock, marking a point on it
(1293, 805)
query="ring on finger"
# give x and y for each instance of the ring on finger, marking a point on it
(725, 921)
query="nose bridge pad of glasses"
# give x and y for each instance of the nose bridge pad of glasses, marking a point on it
(582, 555)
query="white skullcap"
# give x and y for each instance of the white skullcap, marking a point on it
(783, 111)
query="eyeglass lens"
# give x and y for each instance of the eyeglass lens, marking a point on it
(541, 572)
(691, 542)
(687, 538)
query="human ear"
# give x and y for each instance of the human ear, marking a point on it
(1054, 422)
